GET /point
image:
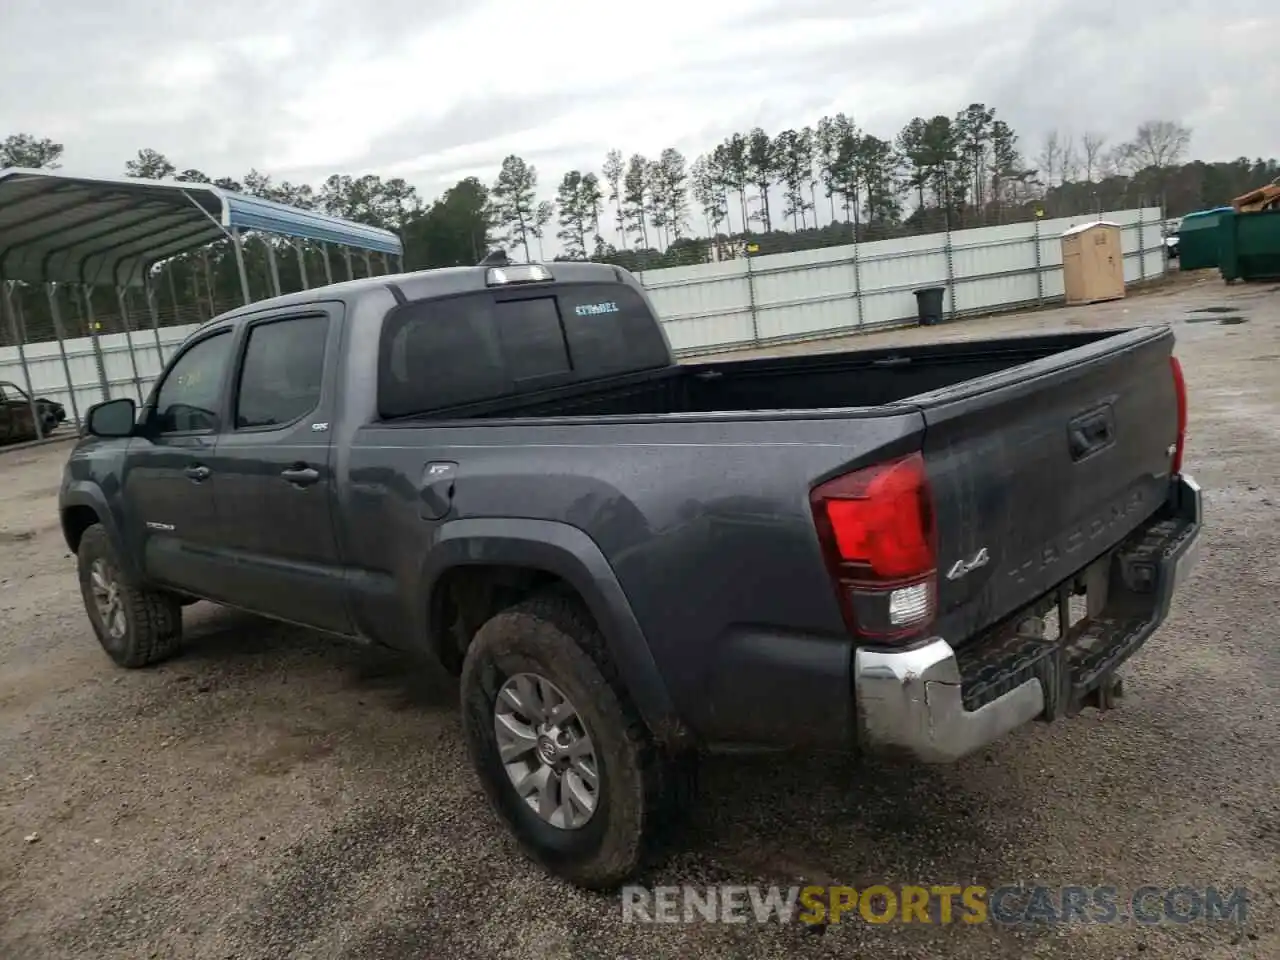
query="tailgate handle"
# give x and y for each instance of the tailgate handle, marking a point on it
(1091, 432)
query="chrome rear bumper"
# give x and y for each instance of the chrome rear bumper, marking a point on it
(911, 701)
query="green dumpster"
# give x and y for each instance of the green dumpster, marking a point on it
(1198, 239)
(1249, 245)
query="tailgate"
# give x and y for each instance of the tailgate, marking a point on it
(1039, 469)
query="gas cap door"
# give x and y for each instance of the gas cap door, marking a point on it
(435, 491)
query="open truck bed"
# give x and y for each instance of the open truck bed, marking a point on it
(857, 378)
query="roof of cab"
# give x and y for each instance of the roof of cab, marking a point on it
(423, 284)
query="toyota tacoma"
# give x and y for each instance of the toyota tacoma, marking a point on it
(627, 560)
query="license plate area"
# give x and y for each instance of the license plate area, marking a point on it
(1073, 638)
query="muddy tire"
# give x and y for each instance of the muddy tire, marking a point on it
(580, 784)
(137, 627)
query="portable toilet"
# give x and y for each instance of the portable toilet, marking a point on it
(1093, 262)
(1198, 239)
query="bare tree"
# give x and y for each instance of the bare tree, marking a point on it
(1092, 144)
(1070, 161)
(1050, 158)
(1158, 143)
(1113, 162)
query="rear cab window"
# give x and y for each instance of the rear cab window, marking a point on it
(440, 353)
(532, 340)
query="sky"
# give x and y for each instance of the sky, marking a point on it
(432, 91)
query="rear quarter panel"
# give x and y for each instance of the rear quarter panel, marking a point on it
(705, 522)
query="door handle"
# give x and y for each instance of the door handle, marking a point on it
(301, 475)
(198, 473)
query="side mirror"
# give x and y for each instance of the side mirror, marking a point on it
(112, 418)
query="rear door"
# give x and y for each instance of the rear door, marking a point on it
(273, 474)
(1037, 471)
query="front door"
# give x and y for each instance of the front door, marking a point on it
(168, 496)
(272, 476)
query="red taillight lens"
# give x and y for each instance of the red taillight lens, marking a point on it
(880, 518)
(876, 528)
(1180, 394)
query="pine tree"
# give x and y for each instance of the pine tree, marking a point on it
(514, 201)
(635, 199)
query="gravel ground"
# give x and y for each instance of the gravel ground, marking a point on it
(275, 794)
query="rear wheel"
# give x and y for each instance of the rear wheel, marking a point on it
(135, 626)
(561, 754)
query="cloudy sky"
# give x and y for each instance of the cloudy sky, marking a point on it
(433, 92)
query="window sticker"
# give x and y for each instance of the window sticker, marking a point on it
(595, 309)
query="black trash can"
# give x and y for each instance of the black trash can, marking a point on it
(929, 305)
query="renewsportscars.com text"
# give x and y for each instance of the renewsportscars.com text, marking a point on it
(934, 904)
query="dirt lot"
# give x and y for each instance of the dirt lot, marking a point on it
(275, 794)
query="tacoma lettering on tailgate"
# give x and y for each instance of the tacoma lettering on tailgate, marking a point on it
(1120, 512)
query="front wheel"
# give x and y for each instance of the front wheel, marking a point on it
(561, 754)
(135, 626)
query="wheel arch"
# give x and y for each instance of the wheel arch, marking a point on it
(497, 562)
(80, 507)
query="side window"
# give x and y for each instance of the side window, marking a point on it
(283, 371)
(188, 398)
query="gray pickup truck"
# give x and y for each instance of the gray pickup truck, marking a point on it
(629, 561)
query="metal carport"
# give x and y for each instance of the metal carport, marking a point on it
(85, 232)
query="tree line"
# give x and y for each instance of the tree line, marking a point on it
(833, 182)
(755, 192)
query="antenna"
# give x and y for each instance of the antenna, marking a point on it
(495, 258)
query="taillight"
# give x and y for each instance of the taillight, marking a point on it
(877, 533)
(1180, 394)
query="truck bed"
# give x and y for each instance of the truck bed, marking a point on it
(860, 378)
(1042, 453)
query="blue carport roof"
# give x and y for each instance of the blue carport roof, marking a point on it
(56, 227)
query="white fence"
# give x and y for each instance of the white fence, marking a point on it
(130, 362)
(840, 290)
(721, 306)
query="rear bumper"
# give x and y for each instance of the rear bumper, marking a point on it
(938, 706)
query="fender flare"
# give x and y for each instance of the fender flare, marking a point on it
(87, 494)
(571, 555)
